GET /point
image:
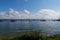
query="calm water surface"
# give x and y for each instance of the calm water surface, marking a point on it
(8, 28)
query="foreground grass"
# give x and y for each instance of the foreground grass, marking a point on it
(33, 35)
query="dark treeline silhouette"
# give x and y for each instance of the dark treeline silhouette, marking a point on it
(14, 20)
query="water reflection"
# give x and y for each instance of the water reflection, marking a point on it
(47, 27)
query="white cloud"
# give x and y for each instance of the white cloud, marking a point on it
(26, 11)
(48, 14)
(13, 14)
(25, 14)
(3, 15)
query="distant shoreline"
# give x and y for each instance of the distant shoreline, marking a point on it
(29, 20)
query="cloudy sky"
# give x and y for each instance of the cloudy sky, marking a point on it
(29, 9)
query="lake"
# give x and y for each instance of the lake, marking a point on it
(8, 28)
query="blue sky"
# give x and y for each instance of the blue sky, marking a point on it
(25, 9)
(32, 5)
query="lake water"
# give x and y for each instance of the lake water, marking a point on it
(8, 28)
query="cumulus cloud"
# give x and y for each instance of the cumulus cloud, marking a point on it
(26, 11)
(49, 14)
(25, 14)
(13, 14)
(3, 15)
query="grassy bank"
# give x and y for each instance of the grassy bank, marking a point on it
(33, 35)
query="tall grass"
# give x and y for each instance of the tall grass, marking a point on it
(33, 35)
